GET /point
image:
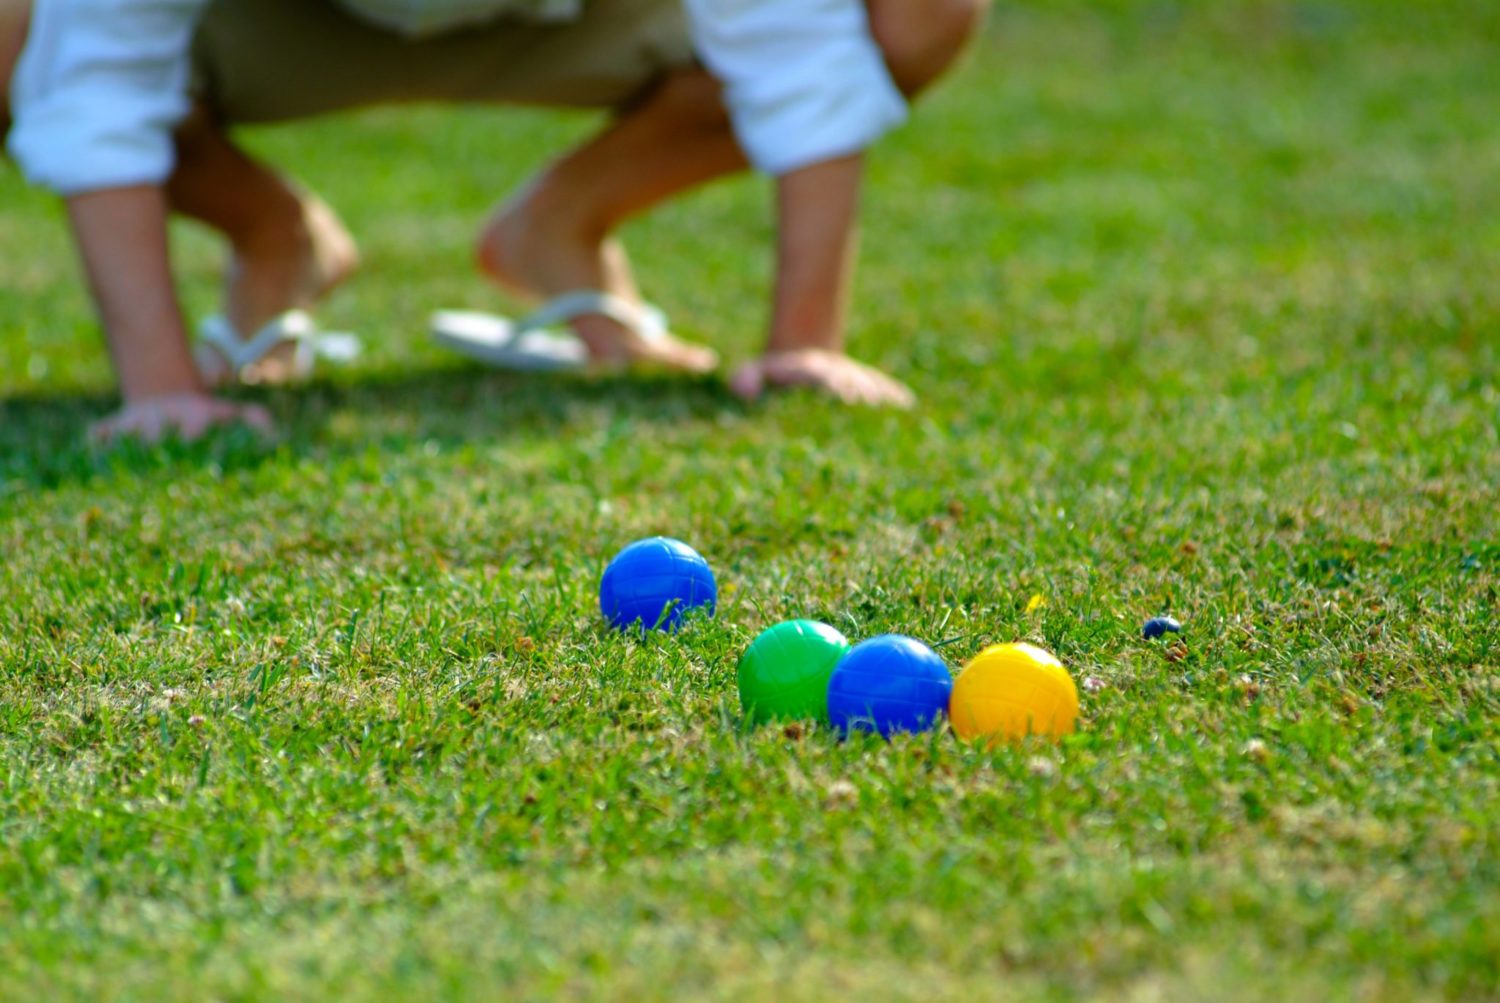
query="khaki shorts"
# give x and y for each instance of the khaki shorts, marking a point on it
(276, 60)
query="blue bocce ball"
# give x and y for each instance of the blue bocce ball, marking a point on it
(653, 583)
(889, 684)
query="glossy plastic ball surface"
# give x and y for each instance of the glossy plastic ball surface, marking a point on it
(652, 584)
(783, 675)
(1010, 691)
(889, 684)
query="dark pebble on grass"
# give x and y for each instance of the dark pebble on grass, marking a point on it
(1159, 625)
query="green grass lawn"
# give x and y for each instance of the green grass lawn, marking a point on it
(1203, 305)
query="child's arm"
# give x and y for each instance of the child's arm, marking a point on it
(818, 208)
(98, 90)
(122, 238)
(808, 90)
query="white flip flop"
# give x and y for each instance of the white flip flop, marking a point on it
(536, 343)
(295, 327)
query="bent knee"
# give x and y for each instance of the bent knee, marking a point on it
(693, 98)
(921, 39)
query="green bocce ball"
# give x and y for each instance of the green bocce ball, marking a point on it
(783, 675)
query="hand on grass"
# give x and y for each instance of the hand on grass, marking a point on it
(832, 373)
(189, 416)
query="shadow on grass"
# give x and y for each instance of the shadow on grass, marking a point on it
(44, 437)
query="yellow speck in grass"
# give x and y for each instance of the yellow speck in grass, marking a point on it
(1035, 603)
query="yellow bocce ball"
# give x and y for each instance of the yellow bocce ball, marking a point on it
(1010, 691)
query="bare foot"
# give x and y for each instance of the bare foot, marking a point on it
(189, 416)
(286, 264)
(832, 373)
(536, 252)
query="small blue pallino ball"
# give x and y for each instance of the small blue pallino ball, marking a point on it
(1159, 625)
(653, 583)
(889, 684)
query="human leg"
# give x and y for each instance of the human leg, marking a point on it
(555, 234)
(326, 60)
(922, 39)
(287, 249)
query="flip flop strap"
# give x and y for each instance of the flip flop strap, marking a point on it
(294, 325)
(645, 321)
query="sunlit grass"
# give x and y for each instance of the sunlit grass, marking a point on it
(1201, 302)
